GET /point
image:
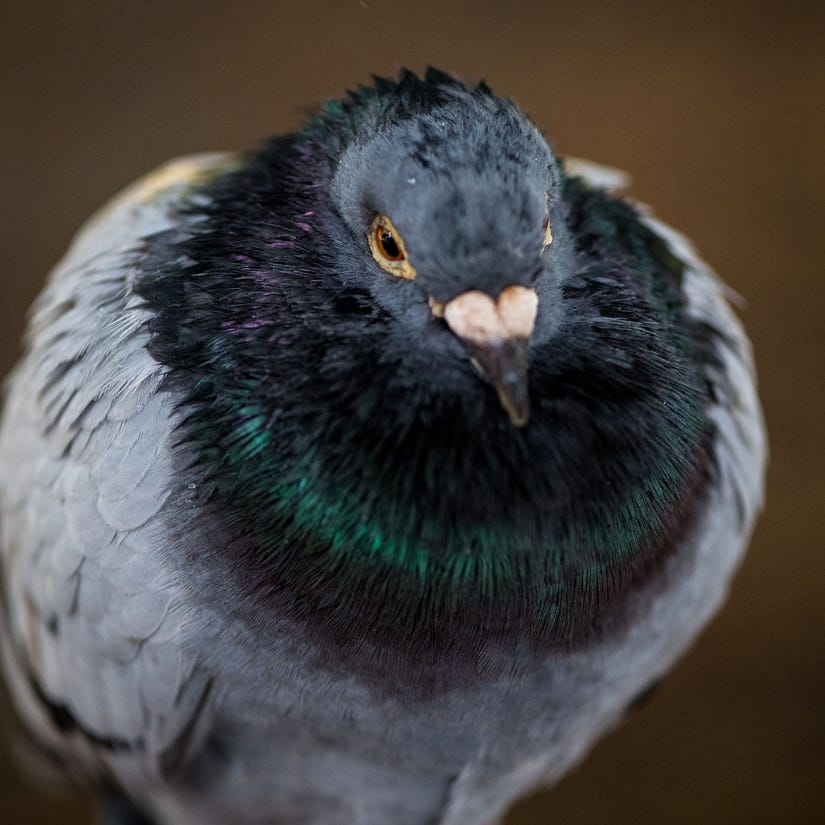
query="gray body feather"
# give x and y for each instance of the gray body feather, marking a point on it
(123, 668)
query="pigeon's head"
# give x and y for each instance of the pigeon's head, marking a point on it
(442, 209)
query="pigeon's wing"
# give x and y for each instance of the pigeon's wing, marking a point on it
(94, 626)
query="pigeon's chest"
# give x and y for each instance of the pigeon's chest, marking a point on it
(336, 748)
(332, 752)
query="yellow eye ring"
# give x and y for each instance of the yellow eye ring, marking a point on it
(388, 248)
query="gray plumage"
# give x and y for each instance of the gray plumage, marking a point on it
(182, 704)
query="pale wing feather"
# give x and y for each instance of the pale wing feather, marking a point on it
(95, 623)
(596, 174)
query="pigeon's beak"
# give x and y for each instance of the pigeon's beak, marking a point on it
(497, 337)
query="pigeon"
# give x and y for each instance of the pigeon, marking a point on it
(367, 477)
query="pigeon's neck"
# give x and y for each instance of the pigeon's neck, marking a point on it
(490, 527)
(540, 528)
(358, 493)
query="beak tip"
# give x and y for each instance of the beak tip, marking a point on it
(512, 388)
(519, 417)
(520, 422)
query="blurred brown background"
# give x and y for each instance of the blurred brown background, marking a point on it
(715, 108)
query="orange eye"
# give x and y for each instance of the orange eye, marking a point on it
(387, 243)
(388, 249)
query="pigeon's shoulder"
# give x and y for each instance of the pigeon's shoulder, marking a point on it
(92, 618)
(740, 445)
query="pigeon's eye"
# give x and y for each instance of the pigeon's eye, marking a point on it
(389, 246)
(388, 249)
(548, 233)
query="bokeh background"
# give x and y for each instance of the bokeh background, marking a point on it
(716, 109)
